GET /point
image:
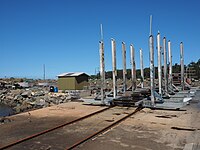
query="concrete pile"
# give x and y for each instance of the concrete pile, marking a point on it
(21, 100)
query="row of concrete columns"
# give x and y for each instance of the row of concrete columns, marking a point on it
(114, 68)
(167, 79)
(133, 68)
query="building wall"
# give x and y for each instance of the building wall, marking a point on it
(81, 81)
(72, 83)
(66, 83)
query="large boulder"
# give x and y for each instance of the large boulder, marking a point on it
(9, 97)
(17, 109)
(40, 102)
(25, 106)
(4, 91)
(12, 103)
(4, 120)
(38, 93)
(16, 92)
(26, 94)
(18, 97)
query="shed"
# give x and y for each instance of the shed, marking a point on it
(72, 81)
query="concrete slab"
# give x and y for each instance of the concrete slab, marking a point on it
(192, 146)
(151, 129)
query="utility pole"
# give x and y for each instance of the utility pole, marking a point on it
(44, 72)
(182, 66)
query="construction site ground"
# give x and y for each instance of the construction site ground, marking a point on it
(146, 130)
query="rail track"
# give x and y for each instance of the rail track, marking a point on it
(71, 134)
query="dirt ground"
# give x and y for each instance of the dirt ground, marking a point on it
(28, 123)
(153, 130)
(146, 130)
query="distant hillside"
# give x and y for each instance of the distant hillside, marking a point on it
(176, 69)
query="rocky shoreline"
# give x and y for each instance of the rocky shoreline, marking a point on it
(21, 100)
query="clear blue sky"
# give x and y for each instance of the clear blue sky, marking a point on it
(64, 34)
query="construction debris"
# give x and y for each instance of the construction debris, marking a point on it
(185, 129)
(21, 100)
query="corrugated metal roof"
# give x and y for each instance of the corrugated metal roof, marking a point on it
(71, 74)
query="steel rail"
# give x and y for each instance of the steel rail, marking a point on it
(51, 129)
(103, 130)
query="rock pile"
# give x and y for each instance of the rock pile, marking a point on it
(21, 100)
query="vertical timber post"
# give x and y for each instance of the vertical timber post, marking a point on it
(141, 68)
(152, 71)
(114, 72)
(133, 69)
(159, 65)
(165, 65)
(182, 66)
(124, 66)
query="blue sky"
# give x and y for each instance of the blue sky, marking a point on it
(64, 34)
